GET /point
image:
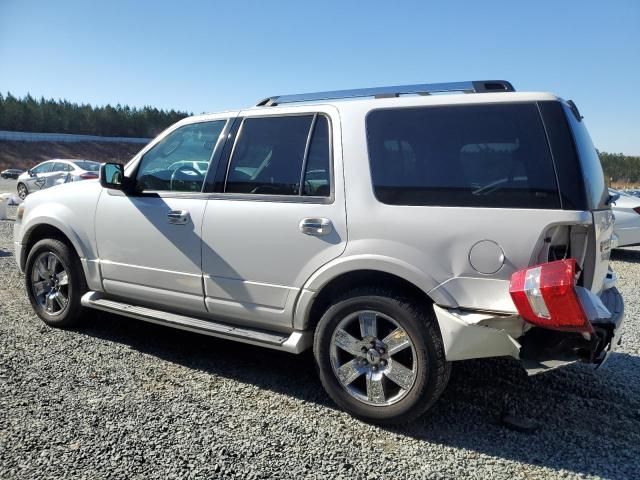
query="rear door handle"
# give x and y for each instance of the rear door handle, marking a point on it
(178, 217)
(316, 226)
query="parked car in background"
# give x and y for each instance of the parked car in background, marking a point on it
(390, 230)
(626, 209)
(54, 172)
(632, 192)
(11, 173)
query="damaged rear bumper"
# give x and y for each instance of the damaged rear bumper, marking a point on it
(468, 335)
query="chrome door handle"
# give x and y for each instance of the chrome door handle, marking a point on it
(178, 217)
(316, 226)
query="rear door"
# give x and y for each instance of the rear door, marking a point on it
(276, 215)
(59, 174)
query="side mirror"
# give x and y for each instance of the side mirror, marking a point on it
(112, 176)
(31, 174)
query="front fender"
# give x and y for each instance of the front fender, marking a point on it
(82, 248)
(70, 209)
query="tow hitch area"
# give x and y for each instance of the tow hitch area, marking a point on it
(570, 323)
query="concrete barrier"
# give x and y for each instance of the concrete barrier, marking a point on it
(65, 137)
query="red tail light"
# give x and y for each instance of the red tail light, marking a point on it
(637, 210)
(545, 296)
(88, 176)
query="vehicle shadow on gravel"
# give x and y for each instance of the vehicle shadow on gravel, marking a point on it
(589, 421)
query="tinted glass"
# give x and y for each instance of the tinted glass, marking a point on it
(317, 173)
(60, 167)
(88, 166)
(175, 163)
(267, 157)
(470, 155)
(42, 168)
(565, 157)
(591, 167)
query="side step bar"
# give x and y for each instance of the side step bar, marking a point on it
(295, 342)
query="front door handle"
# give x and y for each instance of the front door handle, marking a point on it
(316, 226)
(178, 217)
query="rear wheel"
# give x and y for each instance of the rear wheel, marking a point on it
(22, 191)
(380, 356)
(55, 283)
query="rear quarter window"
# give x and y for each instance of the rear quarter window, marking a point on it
(492, 155)
(594, 181)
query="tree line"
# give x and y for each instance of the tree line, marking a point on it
(61, 116)
(27, 114)
(620, 168)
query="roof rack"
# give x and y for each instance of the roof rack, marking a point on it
(476, 86)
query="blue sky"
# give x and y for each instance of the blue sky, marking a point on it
(209, 55)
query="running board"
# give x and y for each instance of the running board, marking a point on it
(295, 342)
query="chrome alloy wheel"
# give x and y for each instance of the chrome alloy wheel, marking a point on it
(50, 283)
(22, 191)
(373, 358)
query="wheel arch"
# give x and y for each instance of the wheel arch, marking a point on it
(334, 279)
(41, 231)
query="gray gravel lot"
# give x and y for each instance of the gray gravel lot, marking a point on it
(124, 399)
(7, 185)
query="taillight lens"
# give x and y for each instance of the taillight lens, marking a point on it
(637, 210)
(545, 296)
(88, 175)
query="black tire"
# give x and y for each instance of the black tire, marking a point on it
(432, 371)
(22, 190)
(71, 314)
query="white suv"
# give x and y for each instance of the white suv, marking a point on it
(390, 229)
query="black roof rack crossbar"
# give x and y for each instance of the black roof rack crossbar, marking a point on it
(477, 86)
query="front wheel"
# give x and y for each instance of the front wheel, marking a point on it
(22, 191)
(55, 283)
(380, 356)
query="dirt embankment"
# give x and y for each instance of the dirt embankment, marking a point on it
(28, 154)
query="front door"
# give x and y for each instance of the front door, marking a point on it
(277, 215)
(149, 240)
(38, 177)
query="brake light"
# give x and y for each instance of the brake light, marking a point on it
(545, 296)
(637, 210)
(88, 176)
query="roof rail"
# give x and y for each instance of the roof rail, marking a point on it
(476, 86)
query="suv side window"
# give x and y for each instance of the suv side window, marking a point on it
(271, 152)
(491, 155)
(177, 162)
(318, 167)
(42, 168)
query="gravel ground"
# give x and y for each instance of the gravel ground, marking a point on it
(126, 399)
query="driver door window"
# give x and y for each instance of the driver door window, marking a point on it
(42, 168)
(179, 161)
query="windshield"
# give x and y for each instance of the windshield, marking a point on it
(88, 165)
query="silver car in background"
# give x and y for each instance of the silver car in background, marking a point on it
(55, 172)
(626, 209)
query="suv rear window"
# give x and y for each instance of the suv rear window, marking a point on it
(493, 155)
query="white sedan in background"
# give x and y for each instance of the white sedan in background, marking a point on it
(626, 209)
(54, 172)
